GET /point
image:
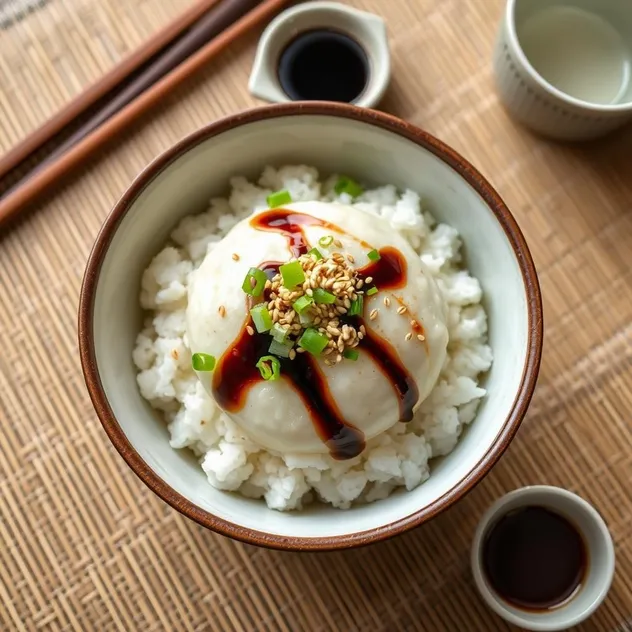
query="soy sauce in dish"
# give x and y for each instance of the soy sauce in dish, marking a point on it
(236, 370)
(535, 558)
(323, 65)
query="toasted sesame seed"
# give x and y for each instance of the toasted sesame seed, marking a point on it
(250, 330)
(235, 256)
(401, 310)
(421, 337)
(300, 350)
(222, 311)
(387, 301)
(409, 336)
(368, 280)
(363, 329)
(292, 354)
(337, 243)
(174, 354)
(360, 335)
(373, 314)
(359, 284)
(351, 258)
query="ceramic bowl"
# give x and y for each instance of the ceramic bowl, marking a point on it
(368, 146)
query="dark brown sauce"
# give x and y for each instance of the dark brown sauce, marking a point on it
(534, 558)
(323, 65)
(236, 371)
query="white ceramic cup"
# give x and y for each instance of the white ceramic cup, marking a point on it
(601, 558)
(367, 29)
(539, 104)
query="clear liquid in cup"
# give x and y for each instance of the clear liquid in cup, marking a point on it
(579, 53)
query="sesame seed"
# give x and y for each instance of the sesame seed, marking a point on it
(387, 301)
(174, 354)
(338, 358)
(368, 280)
(250, 330)
(409, 336)
(401, 310)
(235, 256)
(337, 243)
(359, 284)
(292, 354)
(329, 362)
(373, 314)
(222, 311)
(351, 258)
(300, 350)
(363, 329)
(420, 337)
(413, 323)
(309, 291)
(360, 335)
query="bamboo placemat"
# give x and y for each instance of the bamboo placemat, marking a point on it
(85, 546)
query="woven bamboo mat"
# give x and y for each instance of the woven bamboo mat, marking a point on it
(85, 546)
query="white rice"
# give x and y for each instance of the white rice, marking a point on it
(399, 457)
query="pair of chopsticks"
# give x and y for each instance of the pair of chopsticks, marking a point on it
(126, 92)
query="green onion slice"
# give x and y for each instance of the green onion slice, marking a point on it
(371, 291)
(261, 317)
(374, 255)
(323, 296)
(314, 252)
(302, 304)
(278, 198)
(202, 362)
(255, 282)
(349, 186)
(292, 274)
(279, 333)
(313, 341)
(281, 349)
(269, 367)
(305, 319)
(357, 307)
(326, 241)
(351, 354)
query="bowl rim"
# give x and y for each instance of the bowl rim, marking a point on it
(399, 128)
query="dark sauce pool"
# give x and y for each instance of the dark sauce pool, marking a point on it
(534, 558)
(236, 371)
(323, 65)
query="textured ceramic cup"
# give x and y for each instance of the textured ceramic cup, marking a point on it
(336, 138)
(367, 29)
(601, 558)
(538, 104)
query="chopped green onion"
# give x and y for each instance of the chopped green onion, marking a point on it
(374, 255)
(255, 282)
(349, 186)
(314, 252)
(292, 274)
(305, 319)
(281, 349)
(326, 241)
(357, 307)
(202, 362)
(278, 198)
(323, 296)
(371, 291)
(269, 367)
(279, 333)
(313, 341)
(303, 303)
(351, 354)
(261, 317)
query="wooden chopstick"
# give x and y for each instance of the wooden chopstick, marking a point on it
(28, 189)
(89, 97)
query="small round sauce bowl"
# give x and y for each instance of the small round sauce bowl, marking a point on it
(366, 31)
(599, 561)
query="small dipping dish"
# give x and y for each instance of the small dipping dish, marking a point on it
(543, 558)
(322, 51)
(564, 69)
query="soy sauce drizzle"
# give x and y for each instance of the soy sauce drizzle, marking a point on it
(236, 371)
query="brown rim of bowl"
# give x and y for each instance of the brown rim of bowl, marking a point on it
(252, 536)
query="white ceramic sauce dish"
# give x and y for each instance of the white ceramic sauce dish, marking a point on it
(599, 548)
(371, 147)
